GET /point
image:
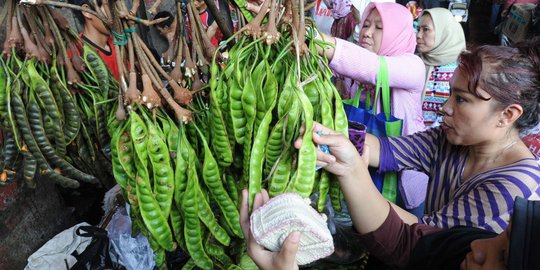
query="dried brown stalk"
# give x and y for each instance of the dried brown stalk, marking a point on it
(253, 28)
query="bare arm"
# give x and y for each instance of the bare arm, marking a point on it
(368, 208)
(327, 51)
(374, 150)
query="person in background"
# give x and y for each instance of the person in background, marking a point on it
(386, 31)
(343, 26)
(358, 7)
(212, 30)
(508, 5)
(344, 20)
(495, 16)
(96, 34)
(440, 40)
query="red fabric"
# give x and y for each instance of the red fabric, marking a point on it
(207, 20)
(109, 58)
(394, 240)
(533, 143)
(343, 27)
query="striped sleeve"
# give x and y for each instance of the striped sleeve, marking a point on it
(413, 152)
(487, 200)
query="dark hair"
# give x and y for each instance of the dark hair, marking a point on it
(77, 13)
(511, 75)
(164, 14)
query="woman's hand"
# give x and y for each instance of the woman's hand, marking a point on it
(343, 158)
(285, 258)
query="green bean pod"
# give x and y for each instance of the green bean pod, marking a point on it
(139, 136)
(286, 97)
(280, 177)
(313, 94)
(29, 169)
(126, 153)
(152, 216)
(5, 84)
(11, 151)
(335, 194)
(172, 139)
(328, 121)
(61, 180)
(261, 106)
(340, 117)
(218, 253)
(177, 224)
(89, 143)
(101, 126)
(97, 67)
(120, 175)
(238, 116)
(230, 183)
(220, 138)
(293, 121)
(181, 170)
(24, 127)
(274, 145)
(212, 179)
(159, 253)
(54, 85)
(190, 265)
(304, 179)
(256, 157)
(192, 225)
(48, 103)
(72, 119)
(207, 217)
(249, 104)
(163, 173)
(36, 123)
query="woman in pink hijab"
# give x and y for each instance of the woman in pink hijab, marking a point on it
(387, 29)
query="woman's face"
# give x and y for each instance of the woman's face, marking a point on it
(491, 253)
(425, 38)
(372, 31)
(468, 120)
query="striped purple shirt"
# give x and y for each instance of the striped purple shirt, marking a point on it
(484, 201)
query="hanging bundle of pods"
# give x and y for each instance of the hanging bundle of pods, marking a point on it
(262, 91)
(47, 127)
(176, 199)
(261, 96)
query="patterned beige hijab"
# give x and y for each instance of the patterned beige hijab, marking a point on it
(449, 38)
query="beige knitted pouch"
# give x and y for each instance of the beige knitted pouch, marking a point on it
(288, 212)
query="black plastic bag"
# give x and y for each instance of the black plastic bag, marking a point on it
(96, 255)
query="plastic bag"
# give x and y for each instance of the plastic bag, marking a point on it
(57, 252)
(131, 252)
(96, 255)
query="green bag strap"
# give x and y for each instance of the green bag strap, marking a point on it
(383, 84)
(355, 101)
